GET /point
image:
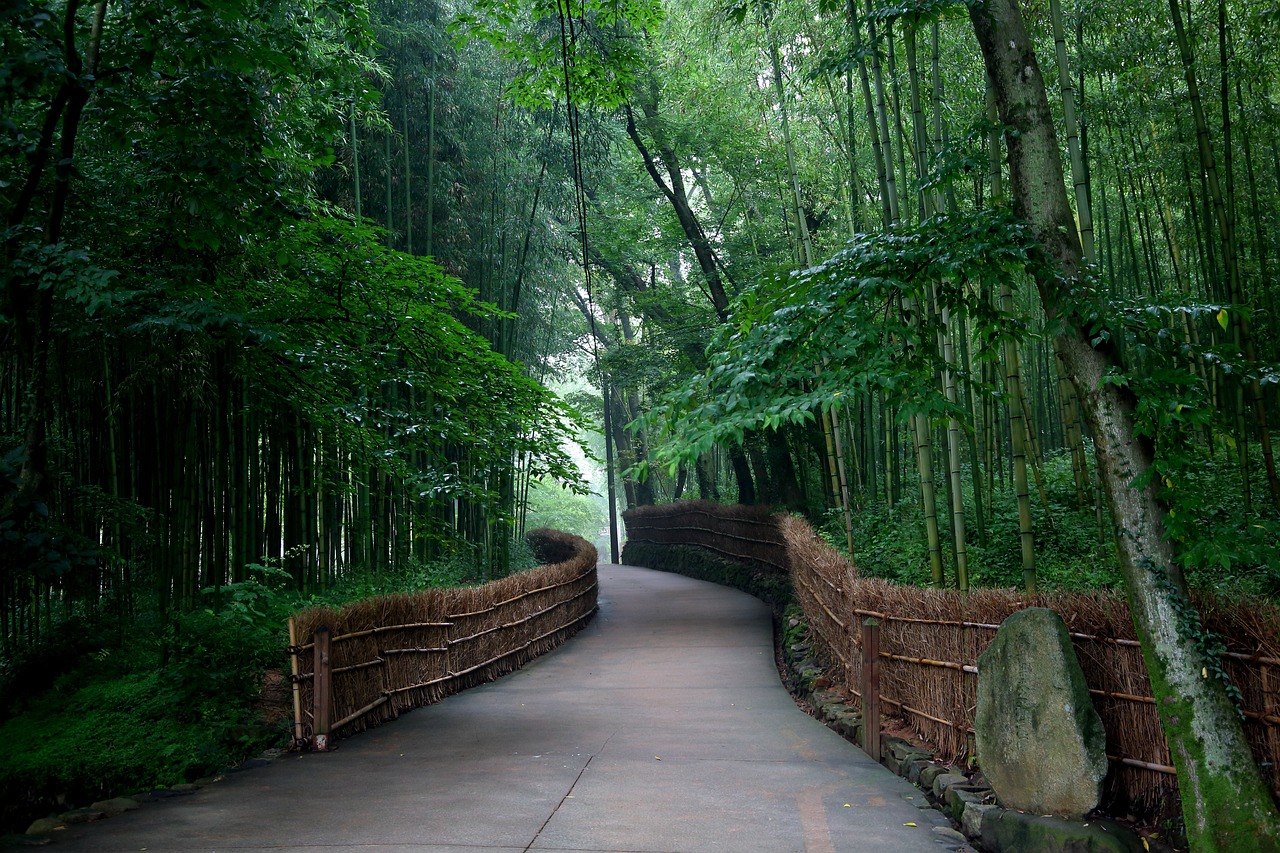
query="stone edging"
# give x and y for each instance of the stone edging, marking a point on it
(965, 798)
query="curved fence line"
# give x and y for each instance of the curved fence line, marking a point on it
(371, 660)
(930, 639)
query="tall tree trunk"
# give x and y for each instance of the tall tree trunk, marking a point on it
(1225, 802)
(673, 188)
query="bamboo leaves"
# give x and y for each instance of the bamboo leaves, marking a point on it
(837, 329)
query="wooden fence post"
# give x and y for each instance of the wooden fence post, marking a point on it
(321, 691)
(871, 687)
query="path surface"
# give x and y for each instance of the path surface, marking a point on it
(660, 728)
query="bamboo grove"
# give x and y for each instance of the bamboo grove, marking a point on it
(224, 345)
(283, 280)
(164, 279)
(806, 163)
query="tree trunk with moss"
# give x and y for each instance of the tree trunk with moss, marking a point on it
(1225, 802)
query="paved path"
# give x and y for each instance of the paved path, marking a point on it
(661, 727)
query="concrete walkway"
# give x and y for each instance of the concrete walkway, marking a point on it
(661, 727)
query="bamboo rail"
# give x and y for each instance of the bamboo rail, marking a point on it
(355, 666)
(355, 715)
(370, 632)
(519, 597)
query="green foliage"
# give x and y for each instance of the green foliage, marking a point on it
(552, 505)
(1218, 543)
(1071, 552)
(337, 314)
(108, 736)
(168, 707)
(850, 325)
(596, 55)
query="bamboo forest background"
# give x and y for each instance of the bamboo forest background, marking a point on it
(286, 281)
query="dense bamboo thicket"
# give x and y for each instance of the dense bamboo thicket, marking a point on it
(237, 338)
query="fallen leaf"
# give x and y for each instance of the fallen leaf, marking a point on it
(908, 824)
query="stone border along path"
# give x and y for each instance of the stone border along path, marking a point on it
(662, 727)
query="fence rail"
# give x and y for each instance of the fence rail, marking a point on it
(372, 660)
(929, 641)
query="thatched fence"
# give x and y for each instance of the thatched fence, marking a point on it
(367, 662)
(930, 640)
(746, 534)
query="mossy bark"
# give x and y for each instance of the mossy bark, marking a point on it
(1225, 802)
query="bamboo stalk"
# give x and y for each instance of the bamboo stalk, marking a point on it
(353, 716)
(356, 666)
(297, 696)
(927, 662)
(1145, 765)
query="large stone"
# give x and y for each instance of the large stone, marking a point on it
(1040, 741)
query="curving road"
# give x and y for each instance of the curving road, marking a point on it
(660, 728)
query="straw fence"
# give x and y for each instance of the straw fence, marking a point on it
(930, 641)
(380, 657)
(743, 533)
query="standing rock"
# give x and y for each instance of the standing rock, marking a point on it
(1040, 742)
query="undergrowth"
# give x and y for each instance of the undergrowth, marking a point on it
(108, 707)
(1222, 547)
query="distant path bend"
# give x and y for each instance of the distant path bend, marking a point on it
(660, 728)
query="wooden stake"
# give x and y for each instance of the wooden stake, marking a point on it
(871, 687)
(322, 690)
